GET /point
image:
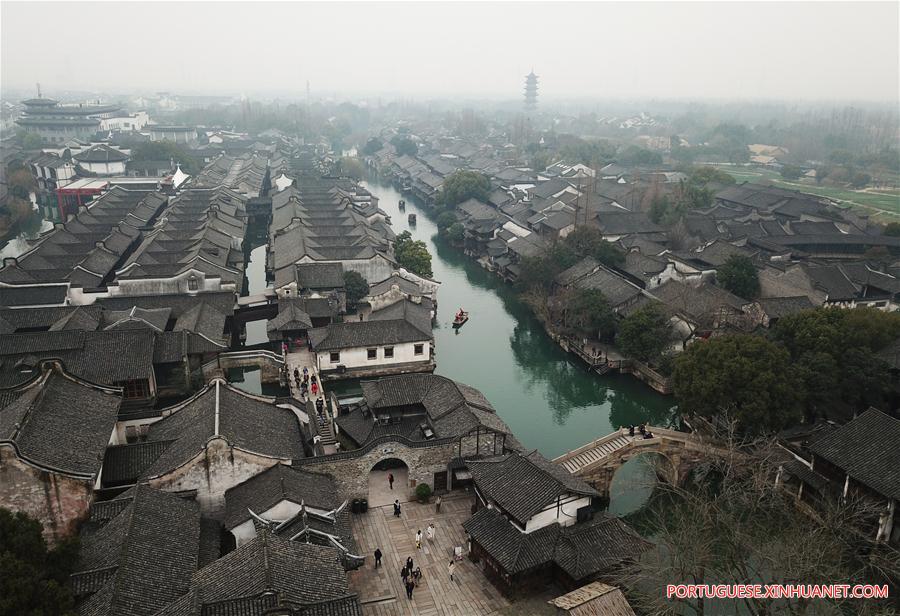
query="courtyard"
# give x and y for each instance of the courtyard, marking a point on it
(381, 590)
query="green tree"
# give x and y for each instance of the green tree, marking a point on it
(355, 286)
(372, 145)
(404, 146)
(660, 206)
(739, 276)
(167, 150)
(463, 185)
(706, 174)
(892, 229)
(456, 232)
(587, 310)
(34, 581)
(791, 172)
(634, 155)
(351, 167)
(413, 255)
(589, 242)
(860, 180)
(644, 334)
(445, 220)
(747, 377)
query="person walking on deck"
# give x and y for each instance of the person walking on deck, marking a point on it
(397, 508)
(409, 563)
(410, 587)
(391, 480)
(450, 569)
(377, 558)
(430, 532)
(419, 539)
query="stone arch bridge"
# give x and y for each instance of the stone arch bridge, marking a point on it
(597, 461)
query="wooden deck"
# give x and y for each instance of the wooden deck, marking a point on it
(381, 591)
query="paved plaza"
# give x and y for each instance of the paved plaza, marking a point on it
(381, 591)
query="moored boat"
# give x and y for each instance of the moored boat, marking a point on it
(412, 219)
(402, 205)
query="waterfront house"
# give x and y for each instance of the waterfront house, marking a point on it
(860, 459)
(535, 523)
(54, 429)
(394, 339)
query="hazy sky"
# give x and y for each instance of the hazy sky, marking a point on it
(729, 50)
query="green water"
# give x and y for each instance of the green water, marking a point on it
(548, 398)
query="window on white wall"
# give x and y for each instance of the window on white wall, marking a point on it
(388, 352)
(419, 349)
(335, 358)
(372, 354)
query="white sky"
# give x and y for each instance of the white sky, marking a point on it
(809, 50)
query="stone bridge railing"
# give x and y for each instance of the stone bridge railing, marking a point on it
(596, 462)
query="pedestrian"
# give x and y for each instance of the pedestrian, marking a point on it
(437, 505)
(377, 558)
(397, 508)
(409, 563)
(642, 429)
(305, 373)
(430, 532)
(404, 573)
(450, 568)
(631, 430)
(315, 388)
(296, 374)
(417, 575)
(391, 480)
(410, 587)
(419, 539)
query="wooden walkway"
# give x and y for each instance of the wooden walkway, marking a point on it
(381, 590)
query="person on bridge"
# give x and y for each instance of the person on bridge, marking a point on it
(631, 430)
(642, 429)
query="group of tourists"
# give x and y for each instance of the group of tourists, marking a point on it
(642, 429)
(306, 383)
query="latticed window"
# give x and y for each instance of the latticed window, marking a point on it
(136, 389)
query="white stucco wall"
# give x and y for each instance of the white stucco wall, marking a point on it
(565, 515)
(358, 357)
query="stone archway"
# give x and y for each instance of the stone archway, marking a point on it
(380, 491)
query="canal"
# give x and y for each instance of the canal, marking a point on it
(548, 398)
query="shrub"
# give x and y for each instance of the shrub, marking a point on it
(423, 492)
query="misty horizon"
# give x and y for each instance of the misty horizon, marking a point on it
(676, 52)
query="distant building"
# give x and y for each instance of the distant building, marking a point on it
(125, 122)
(531, 91)
(55, 123)
(178, 134)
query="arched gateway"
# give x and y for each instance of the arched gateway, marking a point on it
(382, 491)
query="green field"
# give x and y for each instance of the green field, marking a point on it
(884, 206)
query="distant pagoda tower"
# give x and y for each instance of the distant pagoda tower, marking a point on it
(531, 91)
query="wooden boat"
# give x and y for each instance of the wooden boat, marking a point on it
(402, 205)
(412, 219)
(460, 319)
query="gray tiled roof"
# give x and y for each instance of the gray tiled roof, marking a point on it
(320, 276)
(522, 485)
(247, 422)
(356, 334)
(58, 422)
(581, 550)
(152, 546)
(269, 565)
(105, 357)
(123, 464)
(867, 449)
(279, 483)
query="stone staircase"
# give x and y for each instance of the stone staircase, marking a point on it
(595, 454)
